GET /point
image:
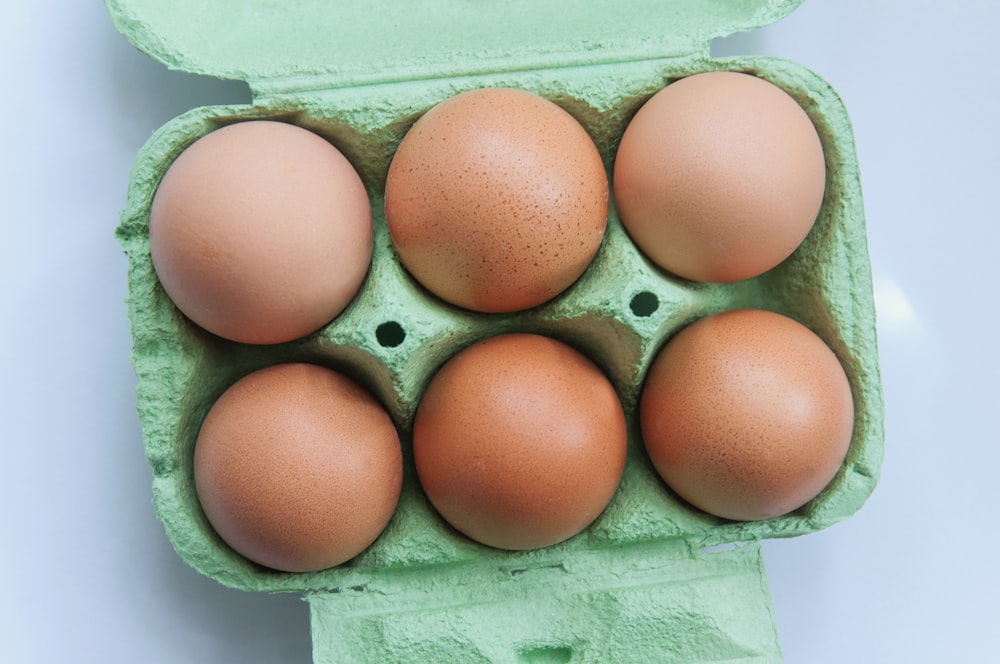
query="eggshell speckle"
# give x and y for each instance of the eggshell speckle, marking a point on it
(519, 441)
(496, 200)
(261, 232)
(747, 414)
(719, 176)
(297, 467)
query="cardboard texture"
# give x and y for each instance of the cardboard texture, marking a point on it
(634, 586)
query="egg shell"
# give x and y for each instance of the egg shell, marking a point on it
(746, 414)
(496, 200)
(297, 467)
(719, 177)
(519, 441)
(261, 232)
(633, 585)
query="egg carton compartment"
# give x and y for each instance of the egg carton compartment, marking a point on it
(645, 555)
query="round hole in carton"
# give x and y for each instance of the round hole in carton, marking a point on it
(644, 304)
(390, 334)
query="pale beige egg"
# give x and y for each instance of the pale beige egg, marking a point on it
(719, 177)
(261, 232)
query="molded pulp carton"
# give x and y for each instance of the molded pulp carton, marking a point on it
(653, 579)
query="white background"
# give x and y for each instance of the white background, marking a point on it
(86, 572)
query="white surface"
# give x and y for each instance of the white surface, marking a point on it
(86, 572)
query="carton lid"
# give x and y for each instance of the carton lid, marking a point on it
(313, 44)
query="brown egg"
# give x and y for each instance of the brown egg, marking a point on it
(746, 414)
(519, 441)
(719, 177)
(297, 467)
(496, 200)
(261, 232)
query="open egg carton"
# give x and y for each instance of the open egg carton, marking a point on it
(652, 578)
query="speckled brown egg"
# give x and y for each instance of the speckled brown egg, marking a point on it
(719, 176)
(297, 467)
(747, 414)
(496, 200)
(519, 441)
(261, 232)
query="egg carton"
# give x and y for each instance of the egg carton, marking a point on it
(652, 578)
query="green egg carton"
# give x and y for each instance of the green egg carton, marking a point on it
(652, 579)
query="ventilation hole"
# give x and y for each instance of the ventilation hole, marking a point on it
(390, 334)
(545, 655)
(644, 304)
